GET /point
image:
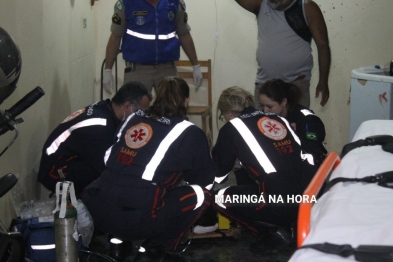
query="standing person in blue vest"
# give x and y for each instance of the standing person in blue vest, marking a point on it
(147, 32)
(285, 31)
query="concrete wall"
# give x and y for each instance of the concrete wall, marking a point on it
(65, 59)
(227, 34)
(58, 54)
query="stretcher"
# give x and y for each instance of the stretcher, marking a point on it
(349, 213)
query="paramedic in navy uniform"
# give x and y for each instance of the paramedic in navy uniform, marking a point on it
(281, 98)
(269, 150)
(147, 31)
(77, 146)
(140, 195)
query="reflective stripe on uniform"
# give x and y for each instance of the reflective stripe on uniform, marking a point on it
(63, 136)
(209, 187)
(297, 139)
(306, 112)
(168, 36)
(199, 194)
(220, 179)
(151, 37)
(109, 150)
(254, 146)
(42, 247)
(151, 167)
(308, 157)
(220, 195)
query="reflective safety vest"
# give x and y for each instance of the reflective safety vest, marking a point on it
(151, 32)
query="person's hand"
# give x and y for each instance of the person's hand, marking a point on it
(197, 76)
(324, 89)
(107, 81)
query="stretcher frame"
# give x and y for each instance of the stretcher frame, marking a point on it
(304, 216)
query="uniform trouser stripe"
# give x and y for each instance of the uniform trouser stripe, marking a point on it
(200, 195)
(220, 194)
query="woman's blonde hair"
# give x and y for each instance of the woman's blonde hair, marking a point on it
(234, 99)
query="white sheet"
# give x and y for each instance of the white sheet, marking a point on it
(354, 213)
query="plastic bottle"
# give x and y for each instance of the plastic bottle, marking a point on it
(85, 223)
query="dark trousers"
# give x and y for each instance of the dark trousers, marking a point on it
(161, 227)
(76, 170)
(246, 214)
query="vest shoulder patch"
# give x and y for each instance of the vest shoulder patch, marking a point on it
(119, 5)
(183, 4)
(116, 19)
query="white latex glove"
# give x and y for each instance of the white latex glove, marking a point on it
(107, 81)
(197, 76)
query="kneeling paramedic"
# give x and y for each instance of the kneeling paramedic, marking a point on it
(269, 150)
(138, 196)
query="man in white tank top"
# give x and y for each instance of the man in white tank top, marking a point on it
(285, 30)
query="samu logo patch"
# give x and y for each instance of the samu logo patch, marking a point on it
(272, 128)
(74, 115)
(139, 135)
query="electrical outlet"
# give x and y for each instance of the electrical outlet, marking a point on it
(84, 22)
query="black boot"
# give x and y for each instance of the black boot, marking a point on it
(119, 249)
(272, 238)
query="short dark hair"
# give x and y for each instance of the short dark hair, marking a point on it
(132, 92)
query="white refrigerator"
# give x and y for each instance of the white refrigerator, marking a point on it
(371, 96)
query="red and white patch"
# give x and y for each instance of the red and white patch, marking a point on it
(74, 115)
(272, 128)
(139, 135)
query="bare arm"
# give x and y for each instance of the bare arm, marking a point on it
(112, 49)
(252, 6)
(188, 46)
(319, 33)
